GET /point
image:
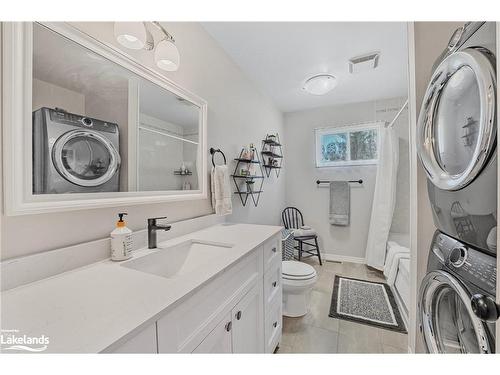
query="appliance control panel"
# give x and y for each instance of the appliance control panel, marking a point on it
(474, 266)
(61, 116)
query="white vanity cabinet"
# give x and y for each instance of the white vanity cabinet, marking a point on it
(144, 342)
(241, 331)
(229, 313)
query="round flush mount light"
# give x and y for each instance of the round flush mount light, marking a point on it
(320, 84)
(132, 35)
(167, 55)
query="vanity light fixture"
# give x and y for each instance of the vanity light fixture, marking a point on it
(135, 35)
(320, 84)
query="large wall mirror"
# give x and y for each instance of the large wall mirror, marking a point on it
(98, 128)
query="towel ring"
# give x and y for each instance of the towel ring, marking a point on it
(213, 151)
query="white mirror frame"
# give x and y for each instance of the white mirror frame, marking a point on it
(17, 51)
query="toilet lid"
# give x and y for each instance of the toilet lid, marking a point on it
(293, 270)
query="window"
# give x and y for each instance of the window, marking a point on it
(348, 145)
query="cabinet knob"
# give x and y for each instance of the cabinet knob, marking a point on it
(274, 249)
(274, 284)
(238, 315)
(275, 324)
(228, 326)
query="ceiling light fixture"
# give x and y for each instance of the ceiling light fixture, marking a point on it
(320, 84)
(135, 35)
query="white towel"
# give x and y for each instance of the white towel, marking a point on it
(340, 202)
(221, 190)
(392, 259)
(303, 231)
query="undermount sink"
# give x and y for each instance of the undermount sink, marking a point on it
(181, 259)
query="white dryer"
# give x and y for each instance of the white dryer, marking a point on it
(74, 153)
(456, 140)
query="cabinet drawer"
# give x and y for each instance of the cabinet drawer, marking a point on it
(272, 284)
(272, 252)
(273, 326)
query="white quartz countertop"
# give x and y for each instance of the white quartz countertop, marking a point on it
(91, 308)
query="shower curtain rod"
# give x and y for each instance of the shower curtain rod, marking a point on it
(391, 124)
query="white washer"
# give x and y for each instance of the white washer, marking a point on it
(298, 280)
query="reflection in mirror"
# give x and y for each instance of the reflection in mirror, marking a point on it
(168, 141)
(98, 127)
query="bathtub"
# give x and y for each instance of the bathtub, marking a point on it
(401, 287)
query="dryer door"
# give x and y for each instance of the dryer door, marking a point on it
(447, 321)
(85, 158)
(457, 122)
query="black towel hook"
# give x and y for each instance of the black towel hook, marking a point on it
(213, 151)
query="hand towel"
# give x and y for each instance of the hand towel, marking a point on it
(303, 231)
(340, 203)
(221, 190)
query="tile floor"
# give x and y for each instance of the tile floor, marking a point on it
(318, 333)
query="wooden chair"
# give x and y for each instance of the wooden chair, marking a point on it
(293, 219)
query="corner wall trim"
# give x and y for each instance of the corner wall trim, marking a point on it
(342, 258)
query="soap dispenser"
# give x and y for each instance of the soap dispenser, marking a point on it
(121, 240)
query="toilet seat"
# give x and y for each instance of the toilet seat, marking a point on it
(293, 270)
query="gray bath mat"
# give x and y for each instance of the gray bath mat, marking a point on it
(365, 302)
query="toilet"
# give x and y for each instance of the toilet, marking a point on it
(298, 281)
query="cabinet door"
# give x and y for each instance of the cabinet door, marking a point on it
(248, 326)
(219, 340)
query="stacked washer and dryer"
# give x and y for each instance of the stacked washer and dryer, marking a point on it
(457, 147)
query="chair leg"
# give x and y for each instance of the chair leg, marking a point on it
(300, 250)
(317, 249)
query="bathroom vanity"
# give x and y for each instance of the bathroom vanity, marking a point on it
(213, 290)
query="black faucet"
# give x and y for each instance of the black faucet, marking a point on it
(152, 228)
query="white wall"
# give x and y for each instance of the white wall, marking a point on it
(46, 94)
(302, 192)
(238, 114)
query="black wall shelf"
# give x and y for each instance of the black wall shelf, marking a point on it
(272, 154)
(248, 185)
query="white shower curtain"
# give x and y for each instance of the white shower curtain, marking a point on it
(384, 198)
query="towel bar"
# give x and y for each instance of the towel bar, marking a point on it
(327, 182)
(213, 151)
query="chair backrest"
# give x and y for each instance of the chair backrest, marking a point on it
(292, 218)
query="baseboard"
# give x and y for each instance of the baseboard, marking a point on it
(342, 258)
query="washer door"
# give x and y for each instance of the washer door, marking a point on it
(447, 321)
(457, 122)
(85, 158)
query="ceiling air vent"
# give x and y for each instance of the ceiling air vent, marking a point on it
(364, 63)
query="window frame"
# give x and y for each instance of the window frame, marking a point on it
(347, 129)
